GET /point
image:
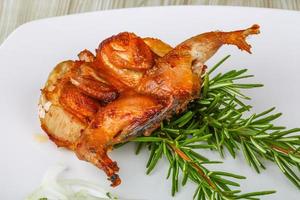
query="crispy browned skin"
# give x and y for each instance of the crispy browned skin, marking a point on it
(157, 46)
(125, 90)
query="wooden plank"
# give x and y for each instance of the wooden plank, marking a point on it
(13, 13)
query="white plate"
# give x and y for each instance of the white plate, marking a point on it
(30, 53)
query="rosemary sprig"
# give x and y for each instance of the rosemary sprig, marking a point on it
(220, 119)
(222, 113)
(187, 164)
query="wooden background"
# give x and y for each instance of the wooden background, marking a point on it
(16, 12)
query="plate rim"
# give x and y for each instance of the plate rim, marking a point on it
(24, 25)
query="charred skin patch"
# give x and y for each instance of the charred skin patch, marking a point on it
(78, 103)
(98, 90)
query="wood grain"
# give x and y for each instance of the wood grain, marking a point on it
(13, 13)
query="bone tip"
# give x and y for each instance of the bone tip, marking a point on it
(255, 29)
(115, 180)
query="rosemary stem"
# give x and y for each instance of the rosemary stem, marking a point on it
(186, 158)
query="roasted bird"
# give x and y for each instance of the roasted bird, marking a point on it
(126, 89)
